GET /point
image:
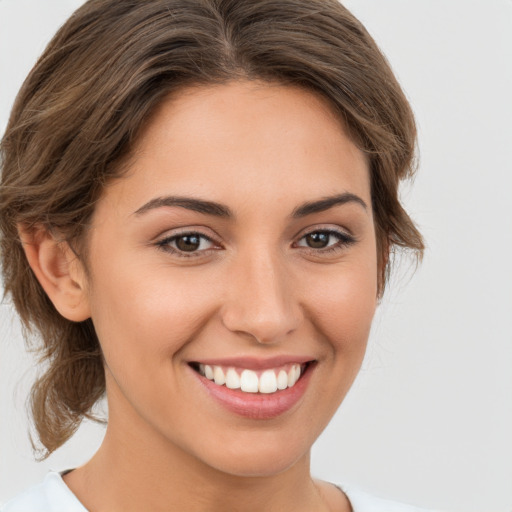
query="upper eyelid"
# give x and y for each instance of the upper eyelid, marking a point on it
(177, 232)
(329, 228)
(343, 238)
(329, 231)
(170, 238)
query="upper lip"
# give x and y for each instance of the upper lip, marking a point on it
(255, 363)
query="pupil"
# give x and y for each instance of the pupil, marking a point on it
(317, 240)
(188, 243)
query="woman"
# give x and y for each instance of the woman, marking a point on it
(198, 204)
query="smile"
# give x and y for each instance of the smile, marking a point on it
(250, 381)
(256, 389)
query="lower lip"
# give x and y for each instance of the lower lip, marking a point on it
(258, 406)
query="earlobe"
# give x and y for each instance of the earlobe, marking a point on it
(59, 272)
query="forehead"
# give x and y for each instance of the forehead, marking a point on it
(244, 140)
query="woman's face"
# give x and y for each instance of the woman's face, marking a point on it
(240, 243)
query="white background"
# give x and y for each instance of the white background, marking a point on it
(429, 419)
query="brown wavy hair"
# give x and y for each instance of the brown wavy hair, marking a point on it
(84, 103)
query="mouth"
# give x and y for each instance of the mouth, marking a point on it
(262, 393)
(246, 380)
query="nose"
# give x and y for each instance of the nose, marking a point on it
(261, 302)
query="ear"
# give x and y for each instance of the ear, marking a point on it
(59, 272)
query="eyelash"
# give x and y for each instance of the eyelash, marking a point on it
(165, 246)
(344, 241)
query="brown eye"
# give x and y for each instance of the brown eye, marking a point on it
(188, 243)
(325, 240)
(318, 239)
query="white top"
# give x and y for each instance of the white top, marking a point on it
(53, 495)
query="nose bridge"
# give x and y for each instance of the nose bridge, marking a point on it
(261, 301)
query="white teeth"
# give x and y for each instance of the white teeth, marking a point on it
(249, 381)
(232, 379)
(208, 371)
(293, 375)
(268, 382)
(297, 370)
(218, 375)
(282, 380)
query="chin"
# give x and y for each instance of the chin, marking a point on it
(257, 459)
(252, 468)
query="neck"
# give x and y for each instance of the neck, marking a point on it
(136, 469)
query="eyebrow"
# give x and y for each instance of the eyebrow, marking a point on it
(327, 203)
(220, 210)
(196, 205)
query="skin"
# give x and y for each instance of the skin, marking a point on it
(256, 289)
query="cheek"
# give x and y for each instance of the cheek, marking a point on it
(339, 304)
(144, 314)
(143, 324)
(343, 304)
